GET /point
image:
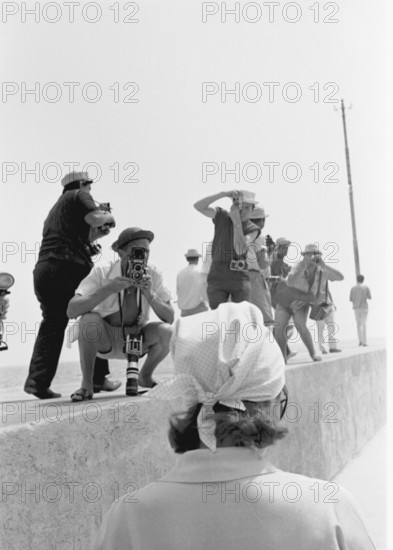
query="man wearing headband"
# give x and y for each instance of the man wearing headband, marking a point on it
(107, 301)
(223, 494)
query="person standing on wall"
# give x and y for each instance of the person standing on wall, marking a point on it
(73, 223)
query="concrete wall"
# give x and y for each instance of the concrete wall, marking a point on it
(61, 471)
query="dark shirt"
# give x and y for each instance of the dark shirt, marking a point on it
(279, 268)
(65, 232)
(223, 249)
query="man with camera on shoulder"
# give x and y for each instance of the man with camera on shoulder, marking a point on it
(114, 301)
(73, 224)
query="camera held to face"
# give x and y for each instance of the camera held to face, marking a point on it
(137, 264)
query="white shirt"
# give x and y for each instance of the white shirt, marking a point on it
(189, 287)
(103, 273)
(253, 249)
(234, 500)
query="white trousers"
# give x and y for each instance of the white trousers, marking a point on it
(361, 321)
(332, 330)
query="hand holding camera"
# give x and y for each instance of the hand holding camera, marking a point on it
(137, 264)
(237, 199)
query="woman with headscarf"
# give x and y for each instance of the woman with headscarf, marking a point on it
(223, 493)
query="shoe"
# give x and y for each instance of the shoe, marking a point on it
(316, 358)
(81, 395)
(153, 385)
(335, 350)
(324, 352)
(108, 385)
(41, 393)
(291, 354)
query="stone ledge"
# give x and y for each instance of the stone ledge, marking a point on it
(61, 473)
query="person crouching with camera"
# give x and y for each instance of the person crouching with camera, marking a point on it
(113, 301)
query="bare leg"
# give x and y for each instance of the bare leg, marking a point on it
(300, 320)
(93, 337)
(281, 319)
(156, 341)
(320, 327)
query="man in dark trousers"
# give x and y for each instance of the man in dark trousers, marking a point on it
(228, 276)
(73, 223)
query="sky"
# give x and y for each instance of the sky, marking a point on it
(163, 106)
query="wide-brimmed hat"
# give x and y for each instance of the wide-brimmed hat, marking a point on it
(281, 241)
(131, 234)
(192, 253)
(311, 249)
(76, 176)
(248, 197)
(258, 213)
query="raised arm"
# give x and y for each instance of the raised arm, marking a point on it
(203, 206)
(332, 274)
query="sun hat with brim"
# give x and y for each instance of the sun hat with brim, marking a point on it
(192, 253)
(311, 249)
(76, 176)
(258, 213)
(282, 240)
(131, 234)
(248, 197)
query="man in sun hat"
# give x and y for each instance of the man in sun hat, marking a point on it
(107, 301)
(308, 276)
(73, 223)
(228, 277)
(190, 287)
(223, 493)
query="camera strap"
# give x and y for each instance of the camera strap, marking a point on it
(138, 323)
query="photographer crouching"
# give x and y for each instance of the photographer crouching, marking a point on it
(70, 228)
(108, 302)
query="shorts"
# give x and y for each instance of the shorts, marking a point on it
(115, 336)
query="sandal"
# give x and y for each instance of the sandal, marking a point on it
(81, 395)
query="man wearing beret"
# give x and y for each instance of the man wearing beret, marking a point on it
(233, 232)
(108, 303)
(73, 223)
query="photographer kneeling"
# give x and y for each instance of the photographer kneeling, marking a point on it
(107, 301)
